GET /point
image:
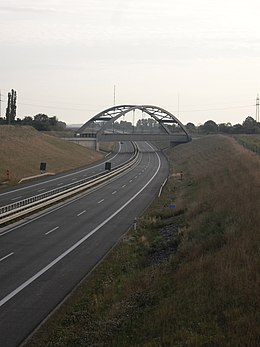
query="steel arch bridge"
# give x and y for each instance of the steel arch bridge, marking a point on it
(101, 126)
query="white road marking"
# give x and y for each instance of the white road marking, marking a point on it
(114, 192)
(81, 213)
(101, 201)
(51, 230)
(50, 212)
(74, 179)
(130, 181)
(41, 190)
(18, 197)
(60, 184)
(7, 256)
(124, 186)
(77, 244)
(58, 178)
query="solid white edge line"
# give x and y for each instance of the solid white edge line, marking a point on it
(77, 244)
(54, 209)
(162, 186)
(7, 256)
(58, 178)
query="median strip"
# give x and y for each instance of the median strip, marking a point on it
(29, 205)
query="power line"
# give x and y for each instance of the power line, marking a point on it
(56, 107)
(217, 109)
(179, 111)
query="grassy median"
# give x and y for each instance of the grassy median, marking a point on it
(189, 274)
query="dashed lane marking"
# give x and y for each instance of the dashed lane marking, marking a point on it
(51, 230)
(81, 213)
(6, 256)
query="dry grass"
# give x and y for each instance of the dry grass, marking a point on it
(23, 149)
(206, 293)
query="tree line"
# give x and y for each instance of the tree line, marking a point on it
(249, 126)
(40, 121)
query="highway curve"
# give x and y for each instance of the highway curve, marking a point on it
(22, 191)
(43, 258)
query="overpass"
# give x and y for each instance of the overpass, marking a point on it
(102, 127)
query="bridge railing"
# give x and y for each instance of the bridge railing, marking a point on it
(25, 206)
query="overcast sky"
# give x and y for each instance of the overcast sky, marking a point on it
(200, 60)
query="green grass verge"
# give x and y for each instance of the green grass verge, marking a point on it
(187, 276)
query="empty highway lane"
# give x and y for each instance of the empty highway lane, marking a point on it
(42, 259)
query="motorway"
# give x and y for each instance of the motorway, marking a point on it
(44, 257)
(26, 190)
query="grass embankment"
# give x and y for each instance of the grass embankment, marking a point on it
(24, 148)
(251, 142)
(187, 276)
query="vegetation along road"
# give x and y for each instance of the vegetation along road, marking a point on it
(189, 274)
(45, 257)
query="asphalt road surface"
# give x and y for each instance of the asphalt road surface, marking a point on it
(44, 257)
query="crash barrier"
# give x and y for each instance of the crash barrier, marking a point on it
(33, 203)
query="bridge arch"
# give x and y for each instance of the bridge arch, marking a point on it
(105, 119)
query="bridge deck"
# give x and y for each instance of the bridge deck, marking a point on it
(178, 138)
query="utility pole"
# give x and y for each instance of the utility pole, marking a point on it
(114, 107)
(114, 94)
(257, 109)
(0, 104)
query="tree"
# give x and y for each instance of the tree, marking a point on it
(11, 107)
(53, 121)
(210, 127)
(250, 125)
(191, 127)
(249, 122)
(237, 129)
(28, 120)
(225, 128)
(41, 122)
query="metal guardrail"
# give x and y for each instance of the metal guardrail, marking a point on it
(22, 207)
